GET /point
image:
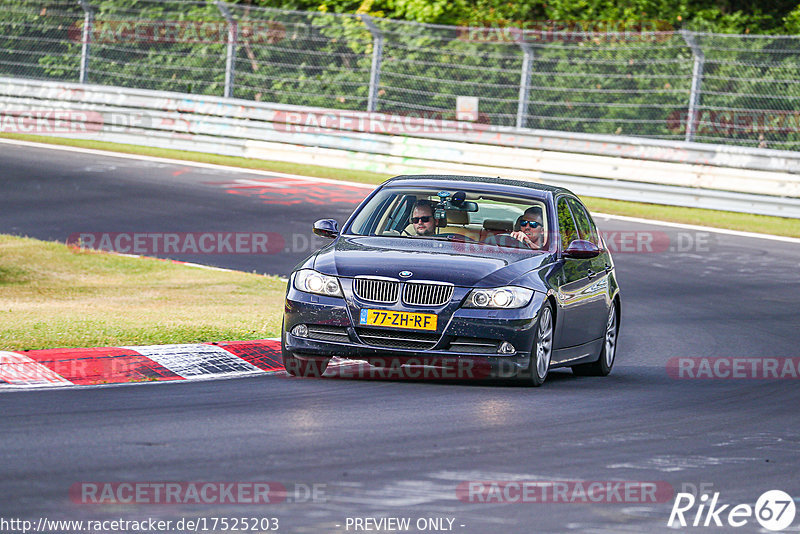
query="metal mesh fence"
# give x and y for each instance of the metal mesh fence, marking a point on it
(425, 71)
(734, 89)
(37, 40)
(750, 91)
(624, 84)
(314, 59)
(158, 45)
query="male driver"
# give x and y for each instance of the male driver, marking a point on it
(422, 217)
(529, 228)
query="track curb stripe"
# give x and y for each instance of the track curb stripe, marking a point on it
(20, 370)
(115, 365)
(263, 355)
(101, 365)
(197, 360)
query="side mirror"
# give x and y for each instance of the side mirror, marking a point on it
(581, 249)
(326, 228)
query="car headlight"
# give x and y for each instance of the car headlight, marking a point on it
(311, 281)
(499, 297)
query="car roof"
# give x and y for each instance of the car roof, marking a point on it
(438, 180)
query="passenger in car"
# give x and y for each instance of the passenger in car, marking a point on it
(422, 217)
(529, 228)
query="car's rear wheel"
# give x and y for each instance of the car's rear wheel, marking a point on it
(299, 367)
(603, 365)
(542, 349)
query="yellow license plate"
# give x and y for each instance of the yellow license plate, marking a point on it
(398, 319)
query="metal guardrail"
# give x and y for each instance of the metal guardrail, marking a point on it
(675, 173)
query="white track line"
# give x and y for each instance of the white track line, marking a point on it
(367, 186)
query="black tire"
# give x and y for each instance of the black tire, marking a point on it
(297, 367)
(604, 363)
(304, 368)
(542, 347)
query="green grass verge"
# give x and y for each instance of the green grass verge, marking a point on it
(316, 171)
(719, 219)
(52, 295)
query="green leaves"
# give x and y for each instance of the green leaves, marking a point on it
(421, 10)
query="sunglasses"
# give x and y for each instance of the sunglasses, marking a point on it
(532, 224)
(415, 220)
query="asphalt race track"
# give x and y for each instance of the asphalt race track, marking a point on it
(402, 449)
(53, 194)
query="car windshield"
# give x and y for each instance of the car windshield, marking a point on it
(468, 215)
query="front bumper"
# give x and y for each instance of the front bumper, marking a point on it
(461, 342)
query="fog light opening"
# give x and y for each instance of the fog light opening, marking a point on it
(300, 330)
(506, 348)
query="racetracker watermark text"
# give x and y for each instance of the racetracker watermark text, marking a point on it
(737, 122)
(159, 32)
(200, 492)
(564, 491)
(50, 121)
(180, 242)
(569, 31)
(733, 368)
(397, 123)
(417, 369)
(163, 243)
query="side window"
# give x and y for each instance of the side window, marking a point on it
(565, 224)
(586, 227)
(393, 214)
(398, 219)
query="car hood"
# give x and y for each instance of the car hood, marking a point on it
(462, 264)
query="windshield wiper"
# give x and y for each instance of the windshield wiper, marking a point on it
(444, 237)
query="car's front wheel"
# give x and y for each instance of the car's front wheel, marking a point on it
(605, 362)
(542, 349)
(304, 368)
(299, 367)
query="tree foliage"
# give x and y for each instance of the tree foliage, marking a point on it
(322, 56)
(718, 16)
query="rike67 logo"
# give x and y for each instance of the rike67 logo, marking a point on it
(774, 510)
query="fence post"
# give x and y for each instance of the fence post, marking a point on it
(88, 24)
(230, 57)
(524, 80)
(377, 57)
(697, 80)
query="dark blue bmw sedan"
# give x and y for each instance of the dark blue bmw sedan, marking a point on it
(486, 276)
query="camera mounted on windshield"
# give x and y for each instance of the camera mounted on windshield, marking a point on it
(454, 201)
